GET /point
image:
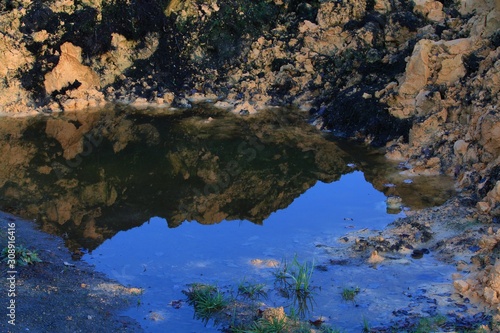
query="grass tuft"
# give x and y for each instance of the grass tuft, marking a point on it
(207, 300)
(348, 294)
(251, 290)
(296, 275)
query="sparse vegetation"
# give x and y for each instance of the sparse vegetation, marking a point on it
(366, 325)
(207, 300)
(241, 311)
(251, 290)
(295, 275)
(275, 325)
(349, 293)
(430, 324)
(23, 256)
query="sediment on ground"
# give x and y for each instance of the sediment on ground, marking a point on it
(58, 294)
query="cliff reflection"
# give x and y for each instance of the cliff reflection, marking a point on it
(90, 175)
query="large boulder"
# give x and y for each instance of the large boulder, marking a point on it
(70, 70)
(432, 10)
(431, 63)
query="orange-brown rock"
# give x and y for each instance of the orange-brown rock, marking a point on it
(69, 70)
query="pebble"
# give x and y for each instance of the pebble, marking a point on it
(417, 254)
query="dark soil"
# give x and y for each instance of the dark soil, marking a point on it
(59, 294)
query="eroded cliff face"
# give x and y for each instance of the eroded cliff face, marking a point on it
(424, 74)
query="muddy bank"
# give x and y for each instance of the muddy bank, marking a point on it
(59, 294)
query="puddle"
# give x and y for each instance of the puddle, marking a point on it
(161, 200)
(163, 260)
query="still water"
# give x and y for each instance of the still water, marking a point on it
(159, 200)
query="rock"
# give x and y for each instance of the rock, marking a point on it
(490, 134)
(181, 102)
(451, 70)
(457, 46)
(69, 70)
(244, 109)
(375, 258)
(274, 314)
(422, 134)
(417, 70)
(225, 105)
(394, 202)
(432, 10)
(490, 295)
(331, 14)
(426, 103)
(460, 147)
(201, 98)
(461, 286)
(417, 254)
(382, 6)
(492, 198)
(486, 20)
(67, 135)
(308, 26)
(483, 207)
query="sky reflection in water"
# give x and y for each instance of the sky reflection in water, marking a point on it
(163, 260)
(98, 192)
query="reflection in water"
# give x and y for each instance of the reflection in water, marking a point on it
(89, 175)
(95, 177)
(165, 260)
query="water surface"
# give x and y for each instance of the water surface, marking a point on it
(159, 200)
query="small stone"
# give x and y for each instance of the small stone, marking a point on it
(461, 286)
(394, 202)
(375, 258)
(490, 295)
(417, 254)
(460, 147)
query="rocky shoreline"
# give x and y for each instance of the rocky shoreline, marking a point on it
(421, 78)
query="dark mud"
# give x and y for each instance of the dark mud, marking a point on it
(59, 294)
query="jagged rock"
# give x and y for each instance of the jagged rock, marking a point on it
(490, 133)
(375, 258)
(432, 10)
(460, 147)
(461, 286)
(487, 19)
(333, 13)
(274, 314)
(451, 70)
(417, 70)
(382, 6)
(69, 70)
